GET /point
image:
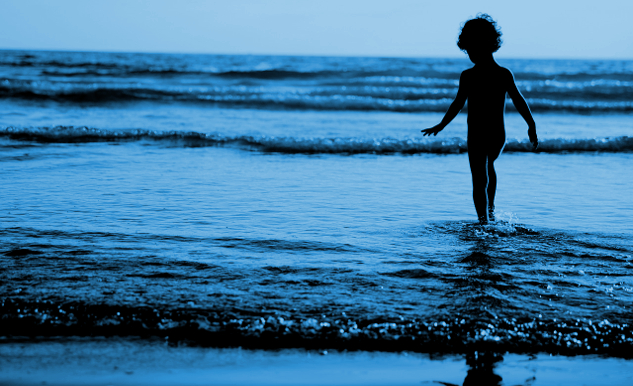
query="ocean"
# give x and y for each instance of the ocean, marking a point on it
(292, 202)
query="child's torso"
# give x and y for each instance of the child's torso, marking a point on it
(486, 89)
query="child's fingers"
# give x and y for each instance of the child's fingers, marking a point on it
(430, 131)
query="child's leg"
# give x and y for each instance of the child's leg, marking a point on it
(479, 170)
(492, 189)
(492, 176)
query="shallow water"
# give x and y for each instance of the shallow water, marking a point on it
(134, 362)
(224, 225)
(305, 238)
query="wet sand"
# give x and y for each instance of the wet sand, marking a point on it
(138, 362)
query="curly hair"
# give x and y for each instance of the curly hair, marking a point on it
(480, 34)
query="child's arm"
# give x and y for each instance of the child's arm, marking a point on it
(523, 109)
(453, 110)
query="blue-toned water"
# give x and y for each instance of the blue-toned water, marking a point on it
(292, 202)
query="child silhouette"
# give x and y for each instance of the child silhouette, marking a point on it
(485, 86)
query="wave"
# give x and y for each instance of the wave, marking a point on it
(280, 67)
(32, 61)
(260, 328)
(511, 300)
(250, 97)
(361, 98)
(233, 74)
(240, 66)
(291, 145)
(81, 96)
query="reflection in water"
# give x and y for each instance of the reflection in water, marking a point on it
(481, 372)
(479, 282)
(482, 364)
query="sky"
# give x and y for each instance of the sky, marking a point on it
(403, 28)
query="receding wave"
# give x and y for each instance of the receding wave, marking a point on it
(498, 295)
(292, 145)
(263, 328)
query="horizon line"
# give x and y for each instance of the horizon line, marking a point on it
(456, 56)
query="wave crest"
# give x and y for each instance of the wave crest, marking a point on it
(427, 95)
(292, 145)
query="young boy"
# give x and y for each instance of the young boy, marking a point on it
(485, 86)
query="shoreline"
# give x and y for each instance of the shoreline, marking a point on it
(102, 361)
(49, 320)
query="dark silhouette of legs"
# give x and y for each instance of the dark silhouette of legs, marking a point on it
(482, 158)
(492, 189)
(479, 170)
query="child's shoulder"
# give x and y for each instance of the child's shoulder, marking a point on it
(498, 72)
(506, 71)
(498, 69)
(465, 75)
(507, 76)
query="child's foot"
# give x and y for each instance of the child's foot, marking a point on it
(491, 214)
(483, 220)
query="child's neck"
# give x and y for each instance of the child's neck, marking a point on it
(486, 61)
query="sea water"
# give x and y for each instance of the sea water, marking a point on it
(292, 202)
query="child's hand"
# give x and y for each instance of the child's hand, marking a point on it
(433, 130)
(533, 137)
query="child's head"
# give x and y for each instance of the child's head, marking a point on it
(480, 34)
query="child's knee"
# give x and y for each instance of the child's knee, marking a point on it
(480, 181)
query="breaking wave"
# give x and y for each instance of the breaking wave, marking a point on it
(404, 95)
(295, 83)
(292, 145)
(233, 328)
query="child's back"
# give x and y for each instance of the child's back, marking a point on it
(485, 86)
